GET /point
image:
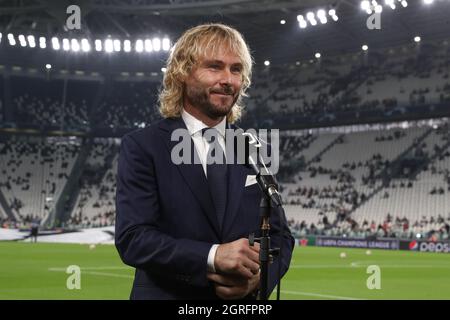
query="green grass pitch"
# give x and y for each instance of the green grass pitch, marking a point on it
(38, 271)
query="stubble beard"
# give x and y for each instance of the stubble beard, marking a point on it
(201, 99)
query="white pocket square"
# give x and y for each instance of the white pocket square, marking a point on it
(251, 179)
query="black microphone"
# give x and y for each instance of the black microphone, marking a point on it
(265, 178)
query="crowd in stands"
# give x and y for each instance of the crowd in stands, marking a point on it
(432, 229)
(71, 106)
(96, 200)
(35, 103)
(386, 82)
(335, 183)
(128, 105)
(32, 172)
(339, 192)
(291, 159)
(334, 192)
(24, 223)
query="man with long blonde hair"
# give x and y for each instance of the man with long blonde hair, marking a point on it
(184, 226)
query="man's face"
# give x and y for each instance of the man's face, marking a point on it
(214, 84)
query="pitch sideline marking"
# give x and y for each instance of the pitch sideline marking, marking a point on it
(320, 295)
(357, 265)
(91, 268)
(96, 273)
(107, 274)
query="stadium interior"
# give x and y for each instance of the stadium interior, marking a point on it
(363, 114)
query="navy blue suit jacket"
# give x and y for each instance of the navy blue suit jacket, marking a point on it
(166, 221)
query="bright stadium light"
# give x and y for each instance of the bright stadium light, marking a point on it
(333, 15)
(417, 39)
(317, 55)
(85, 45)
(148, 45)
(22, 41)
(98, 45)
(11, 39)
(365, 5)
(300, 18)
(303, 24)
(127, 45)
(428, 1)
(31, 41)
(48, 66)
(283, 21)
(163, 69)
(166, 44)
(75, 46)
(139, 47)
(116, 44)
(310, 16)
(66, 44)
(55, 43)
(365, 47)
(404, 3)
(321, 13)
(156, 44)
(313, 22)
(42, 42)
(267, 63)
(108, 45)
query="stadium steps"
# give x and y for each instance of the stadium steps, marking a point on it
(322, 152)
(62, 210)
(432, 159)
(99, 177)
(5, 207)
(384, 174)
(361, 75)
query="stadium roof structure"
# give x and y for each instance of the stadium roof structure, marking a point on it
(259, 21)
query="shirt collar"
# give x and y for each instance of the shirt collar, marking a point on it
(194, 125)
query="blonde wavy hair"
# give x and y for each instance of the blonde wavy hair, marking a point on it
(187, 51)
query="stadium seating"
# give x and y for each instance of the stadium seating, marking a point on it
(334, 180)
(33, 172)
(95, 204)
(119, 108)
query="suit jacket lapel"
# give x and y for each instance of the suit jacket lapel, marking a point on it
(193, 174)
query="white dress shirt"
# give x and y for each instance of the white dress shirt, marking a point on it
(195, 127)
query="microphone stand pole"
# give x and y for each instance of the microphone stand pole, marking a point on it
(265, 252)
